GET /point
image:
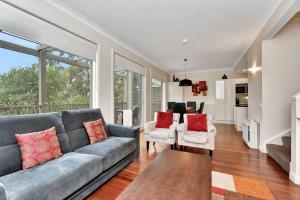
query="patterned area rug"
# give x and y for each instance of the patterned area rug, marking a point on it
(226, 186)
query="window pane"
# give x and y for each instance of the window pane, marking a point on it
(18, 40)
(19, 81)
(137, 99)
(69, 56)
(156, 96)
(128, 95)
(67, 86)
(120, 93)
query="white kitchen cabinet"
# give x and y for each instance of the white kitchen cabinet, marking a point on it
(241, 80)
(240, 115)
(174, 92)
(225, 100)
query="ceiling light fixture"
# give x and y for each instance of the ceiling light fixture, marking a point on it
(254, 69)
(185, 81)
(185, 41)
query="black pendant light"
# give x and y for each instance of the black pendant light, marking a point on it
(185, 81)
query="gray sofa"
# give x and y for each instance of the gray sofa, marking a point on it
(80, 171)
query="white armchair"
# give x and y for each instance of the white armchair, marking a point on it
(163, 135)
(205, 140)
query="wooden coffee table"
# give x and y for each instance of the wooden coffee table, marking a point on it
(173, 175)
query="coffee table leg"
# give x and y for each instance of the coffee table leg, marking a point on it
(210, 153)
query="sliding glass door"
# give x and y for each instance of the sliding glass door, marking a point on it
(128, 97)
(137, 98)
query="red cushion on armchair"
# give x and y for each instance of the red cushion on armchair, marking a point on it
(197, 122)
(164, 119)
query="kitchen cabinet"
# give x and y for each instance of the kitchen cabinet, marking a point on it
(225, 100)
(240, 115)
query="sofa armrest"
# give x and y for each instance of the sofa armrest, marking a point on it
(123, 131)
(149, 126)
(2, 192)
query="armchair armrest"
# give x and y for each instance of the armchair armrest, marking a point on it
(212, 129)
(122, 131)
(181, 130)
(2, 192)
(149, 126)
(181, 127)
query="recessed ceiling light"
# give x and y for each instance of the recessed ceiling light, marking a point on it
(185, 41)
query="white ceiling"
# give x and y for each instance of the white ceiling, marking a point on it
(219, 31)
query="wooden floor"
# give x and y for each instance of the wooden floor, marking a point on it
(230, 156)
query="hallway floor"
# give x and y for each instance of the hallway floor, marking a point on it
(231, 156)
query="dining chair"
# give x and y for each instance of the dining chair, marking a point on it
(200, 111)
(171, 105)
(192, 104)
(181, 109)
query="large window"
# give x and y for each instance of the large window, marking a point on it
(38, 78)
(156, 95)
(128, 96)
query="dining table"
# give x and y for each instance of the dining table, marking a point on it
(190, 109)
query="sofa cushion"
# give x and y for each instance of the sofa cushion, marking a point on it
(95, 130)
(73, 121)
(2, 192)
(54, 180)
(112, 150)
(160, 133)
(195, 137)
(10, 155)
(38, 147)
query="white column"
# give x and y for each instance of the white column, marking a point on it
(295, 137)
(42, 82)
(95, 76)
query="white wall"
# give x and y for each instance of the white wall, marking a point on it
(255, 96)
(280, 79)
(210, 77)
(70, 21)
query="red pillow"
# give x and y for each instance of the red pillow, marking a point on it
(197, 122)
(164, 119)
(95, 130)
(38, 147)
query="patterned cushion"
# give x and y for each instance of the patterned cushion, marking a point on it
(38, 147)
(95, 130)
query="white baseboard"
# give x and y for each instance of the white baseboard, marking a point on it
(263, 148)
(223, 122)
(295, 177)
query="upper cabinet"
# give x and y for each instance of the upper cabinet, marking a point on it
(241, 80)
